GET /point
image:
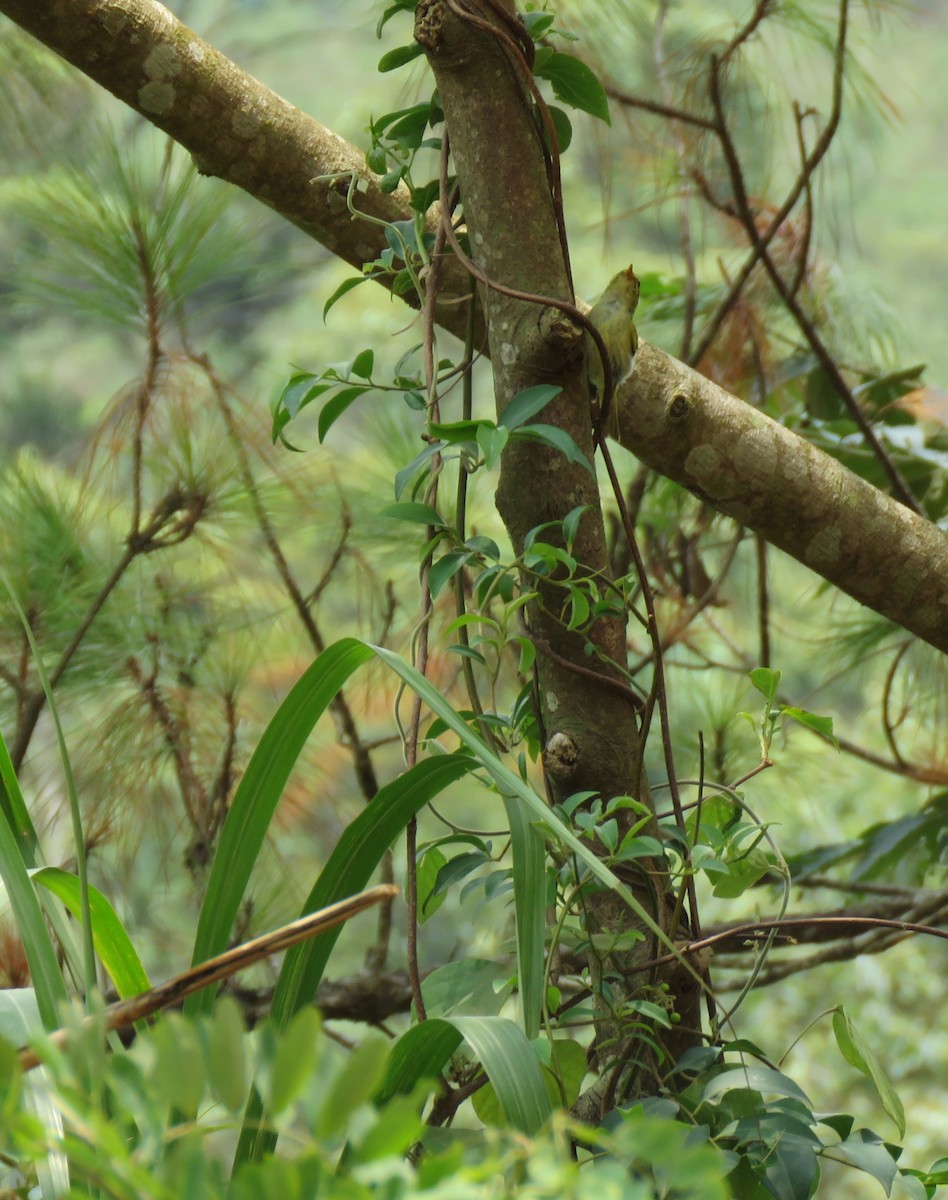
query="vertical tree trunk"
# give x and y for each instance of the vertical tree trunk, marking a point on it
(590, 727)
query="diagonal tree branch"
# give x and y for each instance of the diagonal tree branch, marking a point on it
(683, 426)
(801, 500)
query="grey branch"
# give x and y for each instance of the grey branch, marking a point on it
(685, 427)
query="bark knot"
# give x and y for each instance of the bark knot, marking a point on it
(429, 24)
(560, 756)
(679, 407)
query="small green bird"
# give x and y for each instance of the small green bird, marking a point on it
(612, 316)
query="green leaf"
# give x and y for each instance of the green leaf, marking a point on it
(486, 546)
(113, 945)
(857, 1053)
(13, 809)
(465, 987)
(420, 1053)
(458, 433)
(538, 23)
(300, 390)
(575, 84)
(256, 798)
(357, 854)
(492, 440)
(766, 682)
(867, 1152)
(498, 1045)
(569, 1065)
(404, 477)
(444, 569)
(226, 1054)
(363, 363)
(571, 523)
(528, 654)
(395, 1130)
(742, 873)
(461, 865)
(19, 1015)
(333, 409)
(177, 1073)
(530, 901)
(423, 197)
(511, 785)
(391, 11)
(527, 404)
(642, 846)
(578, 609)
(559, 439)
(48, 984)
(563, 127)
(791, 1169)
(762, 1079)
(822, 725)
(356, 1083)
(409, 127)
(467, 652)
(346, 286)
(398, 57)
(429, 868)
(294, 1063)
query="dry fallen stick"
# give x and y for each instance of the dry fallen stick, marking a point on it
(136, 1008)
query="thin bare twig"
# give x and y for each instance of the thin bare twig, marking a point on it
(888, 933)
(658, 687)
(658, 108)
(763, 600)
(887, 726)
(33, 706)
(796, 190)
(761, 10)
(193, 795)
(753, 931)
(684, 218)
(339, 707)
(806, 326)
(804, 250)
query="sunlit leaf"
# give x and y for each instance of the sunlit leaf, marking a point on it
(858, 1054)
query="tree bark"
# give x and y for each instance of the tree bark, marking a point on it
(794, 495)
(590, 729)
(773, 482)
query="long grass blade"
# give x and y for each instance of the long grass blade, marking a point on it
(512, 785)
(258, 793)
(19, 1020)
(356, 856)
(112, 943)
(40, 953)
(499, 1045)
(13, 808)
(530, 892)
(78, 835)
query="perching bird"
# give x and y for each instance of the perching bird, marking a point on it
(612, 316)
